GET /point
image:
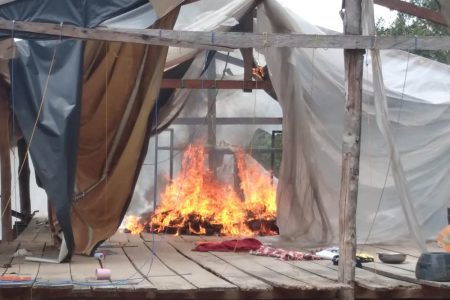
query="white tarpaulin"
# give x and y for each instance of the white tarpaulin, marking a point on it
(310, 87)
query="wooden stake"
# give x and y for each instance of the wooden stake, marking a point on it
(212, 141)
(5, 165)
(350, 151)
(24, 179)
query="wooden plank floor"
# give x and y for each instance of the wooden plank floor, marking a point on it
(165, 267)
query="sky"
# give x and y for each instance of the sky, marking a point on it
(325, 13)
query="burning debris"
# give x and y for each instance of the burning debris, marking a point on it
(197, 203)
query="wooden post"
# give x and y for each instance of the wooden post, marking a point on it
(212, 97)
(5, 163)
(24, 180)
(350, 151)
(247, 53)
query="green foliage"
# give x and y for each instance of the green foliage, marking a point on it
(409, 25)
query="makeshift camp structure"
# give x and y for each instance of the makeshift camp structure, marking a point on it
(84, 79)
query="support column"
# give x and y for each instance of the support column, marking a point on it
(5, 163)
(350, 151)
(24, 179)
(212, 97)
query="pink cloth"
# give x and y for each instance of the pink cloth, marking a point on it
(229, 246)
(283, 254)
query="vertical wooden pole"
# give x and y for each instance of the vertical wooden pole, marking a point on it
(350, 151)
(212, 98)
(24, 179)
(246, 25)
(5, 163)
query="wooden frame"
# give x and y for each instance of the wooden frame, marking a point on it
(226, 41)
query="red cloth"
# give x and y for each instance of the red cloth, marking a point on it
(242, 245)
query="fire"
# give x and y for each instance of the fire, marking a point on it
(134, 224)
(198, 203)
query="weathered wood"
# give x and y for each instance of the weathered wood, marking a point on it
(247, 53)
(124, 275)
(211, 116)
(350, 151)
(243, 261)
(247, 84)
(21, 267)
(219, 267)
(51, 277)
(414, 10)
(36, 231)
(7, 250)
(5, 163)
(162, 278)
(24, 178)
(371, 281)
(187, 269)
(228, 121)
(229, 40)
(82, 272)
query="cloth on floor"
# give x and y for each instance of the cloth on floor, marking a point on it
(242, 245)
(328, 253)
(360, 259)
(284, 254)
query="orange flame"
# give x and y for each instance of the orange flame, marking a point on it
(196, 200)
(134, 224)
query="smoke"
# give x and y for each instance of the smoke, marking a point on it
(229, 103)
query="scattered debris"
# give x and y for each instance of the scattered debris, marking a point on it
(22, 252)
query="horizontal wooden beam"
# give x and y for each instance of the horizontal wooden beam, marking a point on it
(228, 121)
(228, 150)
(215, 84)
(414, 10)
(228, 40)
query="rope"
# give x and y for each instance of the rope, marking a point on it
(42, 101)
(389, 163)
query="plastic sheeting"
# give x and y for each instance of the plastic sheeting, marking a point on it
(309, 84)
(53, 136)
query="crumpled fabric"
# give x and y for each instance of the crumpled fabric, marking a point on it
(242, 245)
(284, 254)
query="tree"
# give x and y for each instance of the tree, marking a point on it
(406, 24)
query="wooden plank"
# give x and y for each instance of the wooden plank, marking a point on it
(219, 267)
(7, 249)
(187, 269)
(404, 271)
(124, 275)
(396, 272)
(245, 263)
(21, 267)
(5, 164)
(292, 271)
(162, 278)
(229, 40)
(52, 279)
(353, 60)
(414, 10)
(82, 271)
(118, 238)
(246, 85)
(229, 121)
(372, 281)
(407, 248)
(37, 231)
(24, 178)
(150, 237)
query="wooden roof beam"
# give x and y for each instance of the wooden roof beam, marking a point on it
(216, 84)
(227, 41)
(414, 10)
